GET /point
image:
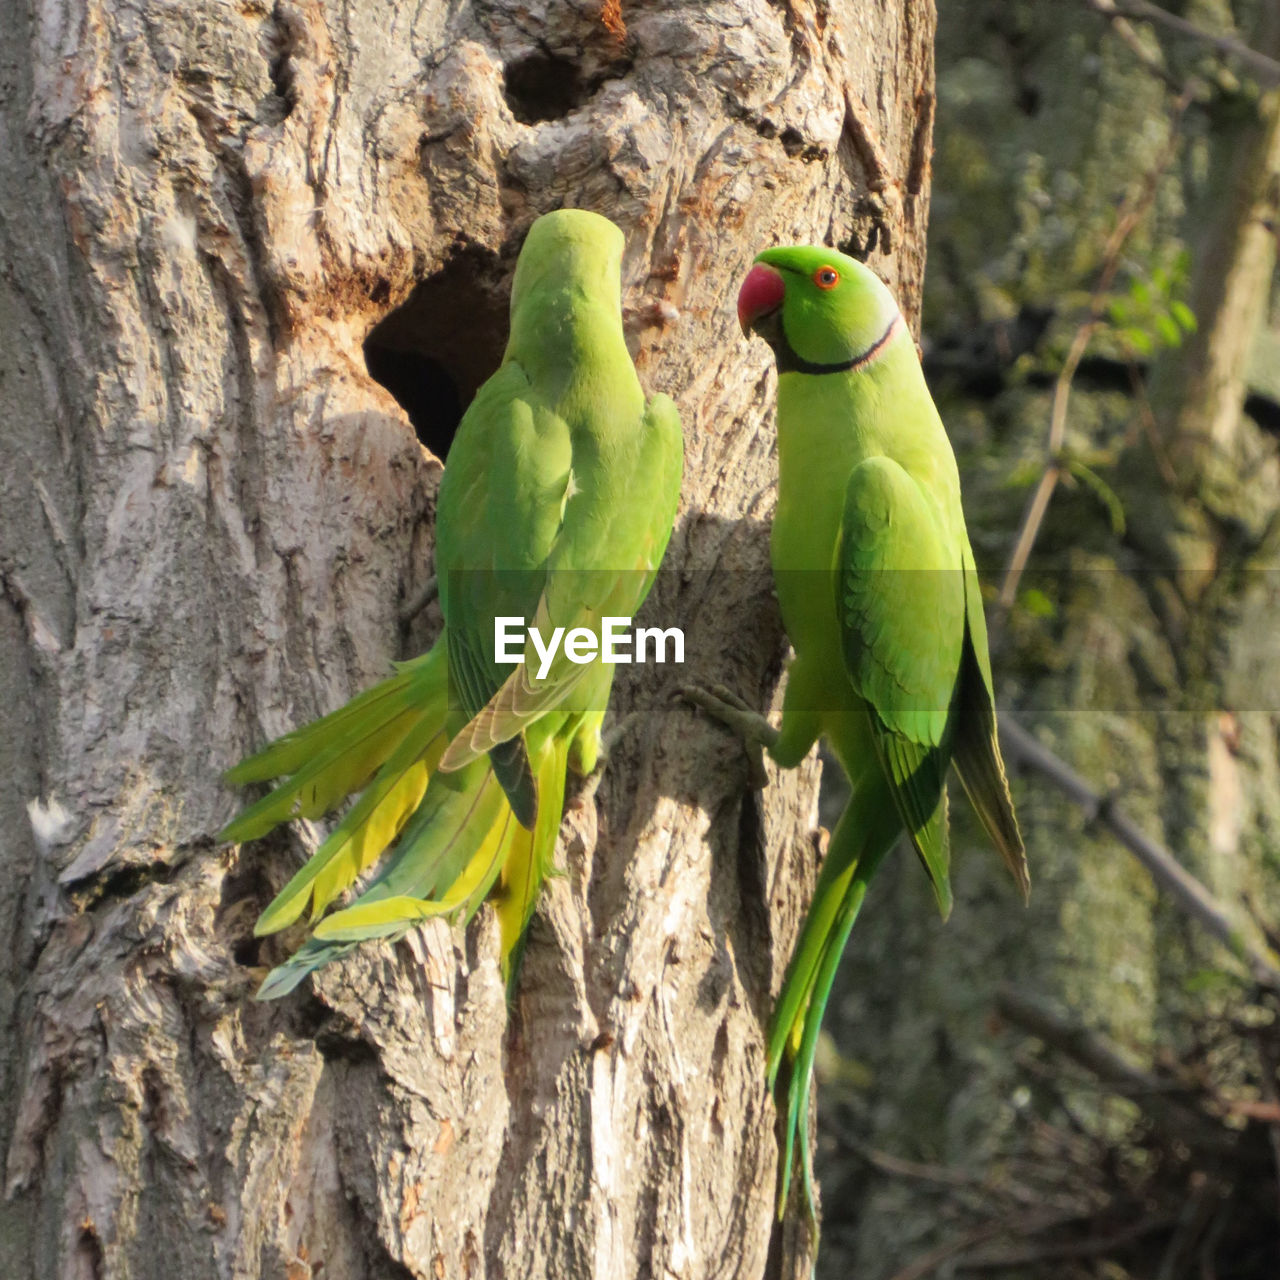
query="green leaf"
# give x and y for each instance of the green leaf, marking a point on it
(1168, 330)
(1207, 980)
(1120, 311)
(1037, 604)
(1024, 475)
(1184, 316)
(1138, 339)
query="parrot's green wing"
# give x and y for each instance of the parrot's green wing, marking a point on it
(593, 571)
(901, 611)
(502, 504)
(975, 750)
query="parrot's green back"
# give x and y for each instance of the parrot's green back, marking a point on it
(880, 598)
(555, 508)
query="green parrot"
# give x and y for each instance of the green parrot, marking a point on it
(879, 595)
(554, 511)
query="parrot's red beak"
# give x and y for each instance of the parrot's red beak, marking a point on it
(761, 293)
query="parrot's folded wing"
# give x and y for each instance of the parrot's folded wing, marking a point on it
(901, 609)
(975, 750)
(589, 577)
(521, 700)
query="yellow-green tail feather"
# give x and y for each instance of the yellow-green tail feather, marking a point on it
(524, 871)
(327, 760)
(866, 832)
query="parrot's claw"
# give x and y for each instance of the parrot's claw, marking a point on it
(414, 606)
(614, 735)
(725, 694)
(754, 730)
(608, 741)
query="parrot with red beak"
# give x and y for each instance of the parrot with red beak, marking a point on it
(880, 598)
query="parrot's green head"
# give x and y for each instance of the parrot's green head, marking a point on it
(566, 253)
(820, 311)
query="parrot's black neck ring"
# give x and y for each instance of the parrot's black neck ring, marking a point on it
(790, 362)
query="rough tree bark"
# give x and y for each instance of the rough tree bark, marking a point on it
(210, 517)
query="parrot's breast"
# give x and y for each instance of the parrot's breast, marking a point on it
(827, 425)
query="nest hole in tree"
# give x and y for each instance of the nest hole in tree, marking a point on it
(435, 349)
(545, 86)
(541, 86)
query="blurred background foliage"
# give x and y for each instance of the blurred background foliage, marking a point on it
(1088, 1087)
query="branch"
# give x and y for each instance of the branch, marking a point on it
(1124, 29)
(1164, 868)
(1266, 69)
(928, 1263)
(1091, 1050)
(1063, 1251)
(1267, 1062)
(1033, 517)
(1174, 1111)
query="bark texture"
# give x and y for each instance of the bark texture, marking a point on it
(210, 517)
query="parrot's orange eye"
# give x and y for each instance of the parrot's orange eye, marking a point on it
(826, 277)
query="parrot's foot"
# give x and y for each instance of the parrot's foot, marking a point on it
(414, 606)
(754, 730)
(591, 778)
(614, 736)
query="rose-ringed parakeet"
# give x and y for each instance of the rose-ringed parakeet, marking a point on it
(554, 509)
(879, 595)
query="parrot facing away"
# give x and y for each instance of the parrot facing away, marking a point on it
(879, 596)
(555, 508)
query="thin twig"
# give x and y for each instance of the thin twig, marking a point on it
(1209, 1245)
(1194, 1220)
(916, 1170)
(940, 1175)
(1091, 1247)
(1173, 1110)
(1265, 68)
(1088, 1048)
(1271, 1091)
(1033, 517)
(1147, 417)
(1164, 868)
(1124, 29)
(928, 1263)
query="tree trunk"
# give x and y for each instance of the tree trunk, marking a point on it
(211, 517)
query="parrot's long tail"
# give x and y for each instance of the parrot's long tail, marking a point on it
(386, 743)
(447, 859)
(455, 833)
(865, 833)
(525, 869)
